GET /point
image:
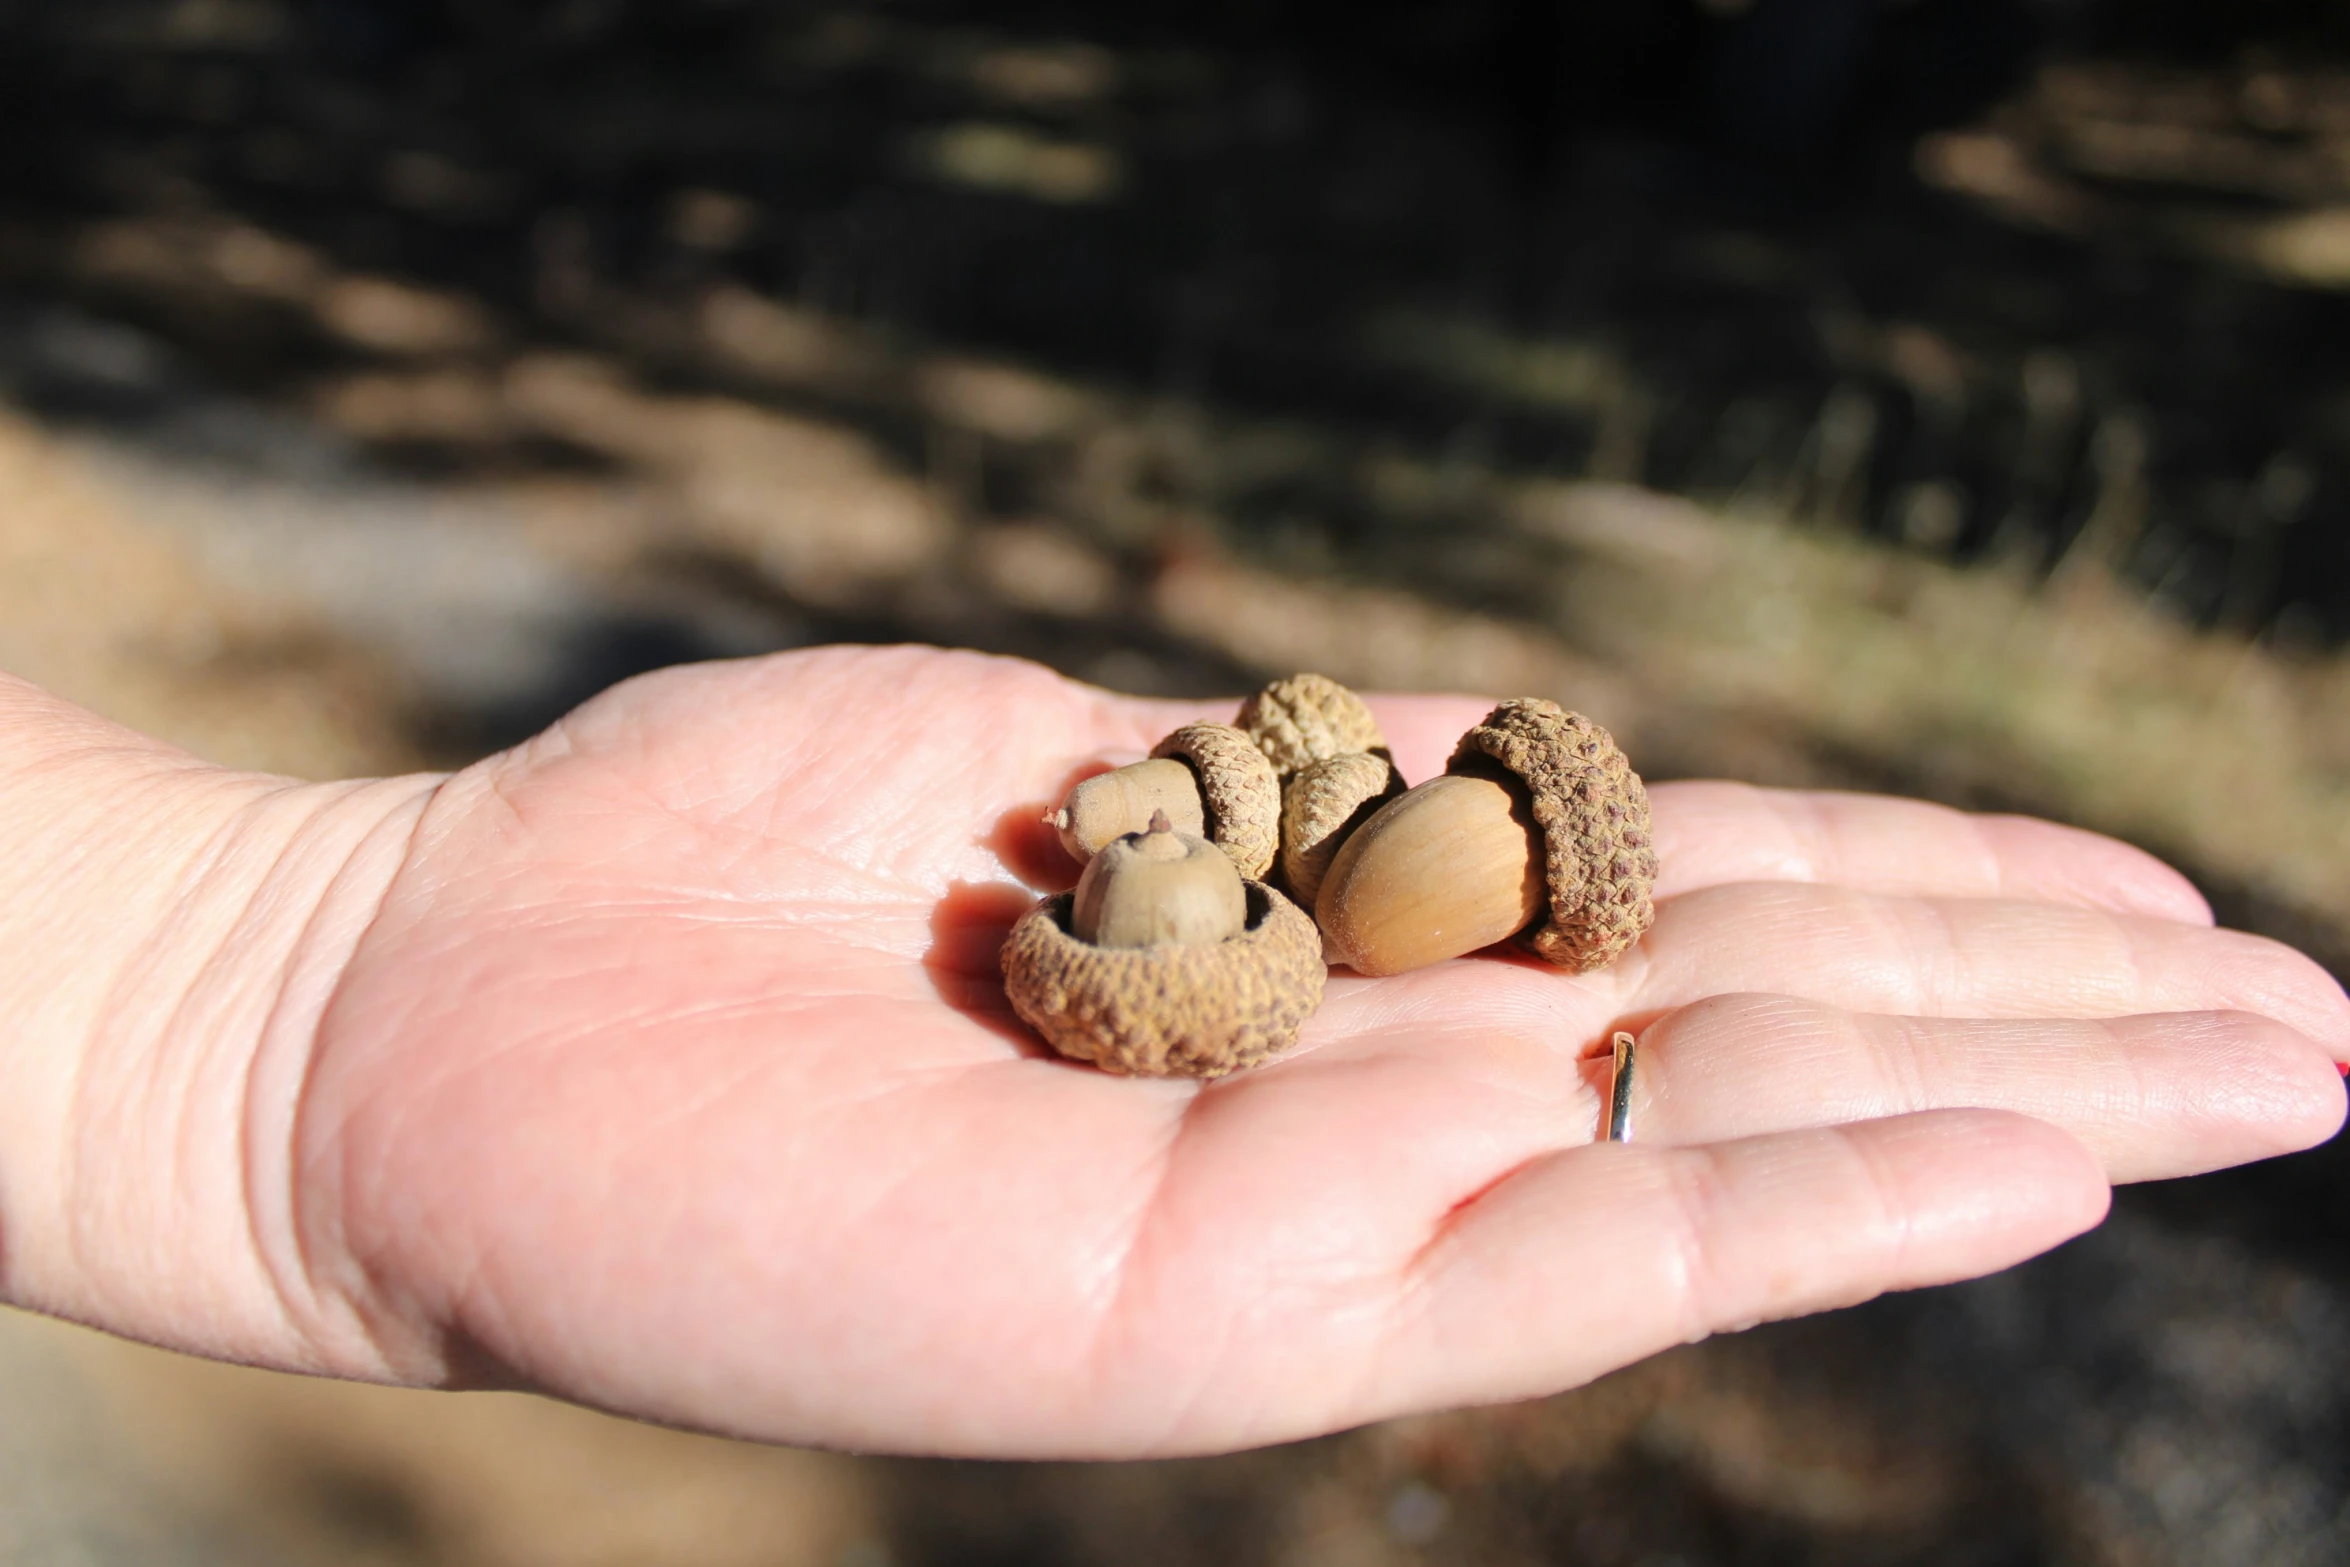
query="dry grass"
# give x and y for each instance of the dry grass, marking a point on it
(302, 1470)
(105, 610)
(2076, 700)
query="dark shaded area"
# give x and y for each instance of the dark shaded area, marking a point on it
(2290, 1208)
(370, 1509)
(1720, 208)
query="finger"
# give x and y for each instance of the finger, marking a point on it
(2153, 1096)
(1711, 833)
(1589, 1259)
(1961, 957)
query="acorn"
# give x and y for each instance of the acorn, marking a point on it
(1538, 830)
(1303, 719)
(1106, 807)
(1209, 785)
(1157, 888)
(1210, 779)
(1165, 961)
(1325, 804)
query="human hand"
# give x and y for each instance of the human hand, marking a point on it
(673, 1074)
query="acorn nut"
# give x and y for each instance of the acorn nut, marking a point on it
(1130, 971)
(1158, 887)
(1210, 779)
(1444, 869)
(1538, 814)
(1108, 806)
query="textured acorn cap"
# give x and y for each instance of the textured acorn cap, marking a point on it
(1239, 792)
(1306, 719)
(1321, 805)
(1169, 1011)
(1598, 856)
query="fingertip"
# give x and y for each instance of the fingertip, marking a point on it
(2108, 873)
(1987, 1188)
(2312, 1100)
(2167, 891)
(2331, 1112)
(2338, 1049)
(2172, 896)
(2142, 883)
(2222, 1089)
(2288, 984)
(2297, 1096)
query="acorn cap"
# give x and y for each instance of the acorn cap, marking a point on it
(1599, 858)
(1168, 1011)
(1306, 719)
(1321, 805)
(1239, 792)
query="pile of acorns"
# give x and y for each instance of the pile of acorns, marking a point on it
(1182, 953)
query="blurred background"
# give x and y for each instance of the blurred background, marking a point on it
(1949, 396)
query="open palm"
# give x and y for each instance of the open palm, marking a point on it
(675, 1076)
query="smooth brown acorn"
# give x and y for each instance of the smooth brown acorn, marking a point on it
(1106, 807)
(1446, 868)
(1538, 828)
(1158, 888)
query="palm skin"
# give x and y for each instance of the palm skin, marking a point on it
(675, 1076)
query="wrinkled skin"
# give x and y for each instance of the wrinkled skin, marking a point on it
(675, 1076)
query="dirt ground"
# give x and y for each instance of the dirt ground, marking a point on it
(365, 414)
